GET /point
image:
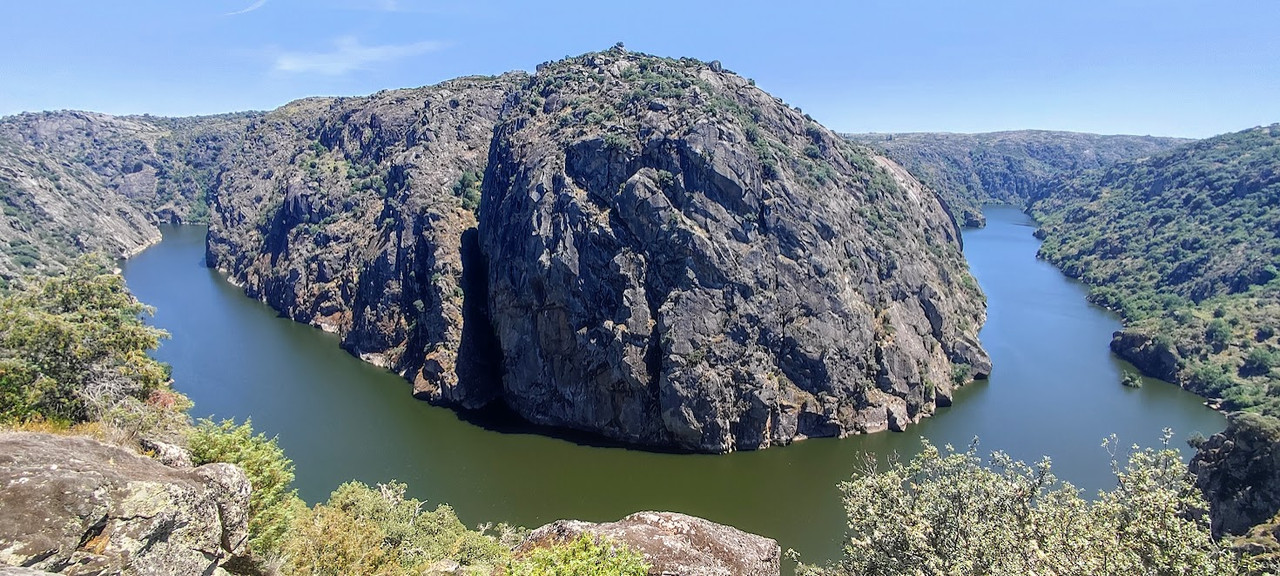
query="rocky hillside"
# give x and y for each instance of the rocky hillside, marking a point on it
(1016, 167)
(1186, 246)
(663, 254)
(76, 182)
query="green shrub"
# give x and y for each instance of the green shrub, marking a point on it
(467, 188)
(585, 556)
(273, 504)
(948, 512)
(1259, 362)
(366, 530)
(74, 348)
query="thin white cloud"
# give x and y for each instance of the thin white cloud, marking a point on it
(349, 54)
(412, 6)
(256, 5)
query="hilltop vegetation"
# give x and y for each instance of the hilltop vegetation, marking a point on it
(1185, 245)
(1018, 167)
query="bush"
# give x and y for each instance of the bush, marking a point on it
(364, 530)
(585, 556)
(1259, 362)
(74, 348)
(467, 188)
(329, 542)
(273, 505)
(948, 512)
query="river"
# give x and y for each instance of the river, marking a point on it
(1055, 391)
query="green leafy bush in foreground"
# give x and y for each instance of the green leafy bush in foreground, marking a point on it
(368, 530)
(585, 556)
(948, 512)
(273, 504)
(73, 348)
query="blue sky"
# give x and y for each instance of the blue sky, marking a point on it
(1171, 67)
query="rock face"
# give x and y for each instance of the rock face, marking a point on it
(1238, 470)
(352, 214)
(678, 259)
(75, 182)
(663, 255)
(675, 544)
(1145, 352)
(73, 505)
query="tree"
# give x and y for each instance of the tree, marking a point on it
(74, 348)
(948, 512)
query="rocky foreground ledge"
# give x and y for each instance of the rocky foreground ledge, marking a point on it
(675, 544)
(74, 505)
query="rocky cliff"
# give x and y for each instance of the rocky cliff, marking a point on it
(75, 182)
(73, 505)
(352, 214)
(678, 259)
(663, 255)
(1238, 470)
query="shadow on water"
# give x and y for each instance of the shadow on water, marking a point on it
(1055, 390)
(500, 418)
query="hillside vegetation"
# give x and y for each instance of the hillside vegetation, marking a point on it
(75, 182)
(1185, 245)
(1017, 167)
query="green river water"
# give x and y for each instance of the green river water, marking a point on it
(1055, 391)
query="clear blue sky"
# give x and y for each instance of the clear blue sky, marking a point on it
(1161, 67)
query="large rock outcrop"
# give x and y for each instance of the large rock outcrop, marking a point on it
(1238, 470)
(674, 544)
(351, 214)
(73, 505)
(678, 259)
(664, 254)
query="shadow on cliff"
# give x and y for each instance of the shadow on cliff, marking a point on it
(479, 365)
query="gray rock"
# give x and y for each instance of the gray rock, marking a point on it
(73, 505)
(1238, 470)
(704, 268)
(75, 182)
(674, 544)
(342, 213)
(168, 454)
(19, 571)
(718, 274)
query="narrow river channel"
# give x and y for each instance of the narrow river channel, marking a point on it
(1055, 391)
